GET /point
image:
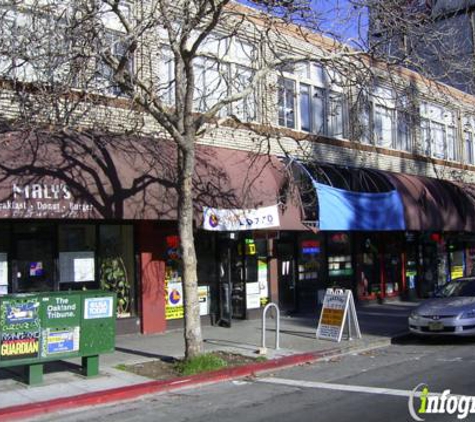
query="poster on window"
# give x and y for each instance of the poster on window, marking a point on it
(3, 270)
(174, 303)
(36, 269)
(262, 280)
(203, 298)
(76, 267)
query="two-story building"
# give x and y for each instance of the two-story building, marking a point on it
(334, 171)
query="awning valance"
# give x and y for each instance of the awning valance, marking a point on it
(434, 205)
(105, 176)
(374, 200)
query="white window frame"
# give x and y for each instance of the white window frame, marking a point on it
(439, 131)
(287, 103)
(322, 86)
(235, 60)
(391, 106)
(104, 80)
(468, 128)
(211, 84)
(165, 76)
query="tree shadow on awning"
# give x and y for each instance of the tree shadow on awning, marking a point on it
(48, 173)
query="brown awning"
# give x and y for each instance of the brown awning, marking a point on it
(432, 204)
(98, 176)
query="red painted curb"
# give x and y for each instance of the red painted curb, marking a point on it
(133, 391)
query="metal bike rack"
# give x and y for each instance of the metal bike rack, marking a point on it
(277, 325)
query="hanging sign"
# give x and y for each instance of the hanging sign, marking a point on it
(338, 313)
(217, 219)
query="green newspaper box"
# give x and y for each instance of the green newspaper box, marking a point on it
(43, 327)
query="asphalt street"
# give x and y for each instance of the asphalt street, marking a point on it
(370, 386)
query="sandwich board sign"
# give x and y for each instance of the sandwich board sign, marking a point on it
(338, 314)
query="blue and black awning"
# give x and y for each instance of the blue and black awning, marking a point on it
(340, 198)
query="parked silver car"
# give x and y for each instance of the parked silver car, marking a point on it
(450, 312)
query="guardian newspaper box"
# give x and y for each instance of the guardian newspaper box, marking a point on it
(42, 327)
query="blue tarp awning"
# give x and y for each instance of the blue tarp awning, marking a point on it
(341, 209)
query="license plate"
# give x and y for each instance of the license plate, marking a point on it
(436, 326)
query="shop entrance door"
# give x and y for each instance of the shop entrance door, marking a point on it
(287, 291)
(232, 284)
(33, 268)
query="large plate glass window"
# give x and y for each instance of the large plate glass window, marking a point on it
(116, 266)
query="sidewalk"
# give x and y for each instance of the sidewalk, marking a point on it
(379, 323)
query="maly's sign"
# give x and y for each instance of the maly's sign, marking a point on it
(43, 200)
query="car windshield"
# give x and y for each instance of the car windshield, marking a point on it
(458, 288)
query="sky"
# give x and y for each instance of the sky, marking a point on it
(337, 18)
(342, 18)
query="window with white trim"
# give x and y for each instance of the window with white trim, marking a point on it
(439, 132)
(245, 108)
(287, 103)
(468, 125)
(34, 47)
(211, 84)
(391, 119)
(104, 73)
(224, 66)
(165, 76)
(310, 99)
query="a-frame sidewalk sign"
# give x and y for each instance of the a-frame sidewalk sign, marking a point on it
(338, 315)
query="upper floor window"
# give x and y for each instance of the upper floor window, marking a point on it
(164, 76)
(439, 131)
(317, 95)
(211, 84)
(469, 138)
(287, 103)
(391, 120)
(224, 66)
(33, 48)
(105, 74)
(245, 108)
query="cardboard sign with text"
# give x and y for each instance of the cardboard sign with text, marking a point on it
(338, 313)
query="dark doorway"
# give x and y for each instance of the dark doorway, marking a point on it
(33, 265)
(232, 284)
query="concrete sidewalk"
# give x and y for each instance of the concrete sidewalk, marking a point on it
(62, 380)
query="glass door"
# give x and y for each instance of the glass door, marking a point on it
(286, 274)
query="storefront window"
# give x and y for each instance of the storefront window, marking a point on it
(368, 276)
(311, 284)
(116, 266)
(4, 249)
(76, 256)
(392, 248)
(340, 267)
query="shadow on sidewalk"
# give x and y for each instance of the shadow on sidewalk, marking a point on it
(231, 343)
(17, 373)
(410, 339)
(163, 358)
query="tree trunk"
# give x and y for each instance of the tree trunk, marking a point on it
(193, 337)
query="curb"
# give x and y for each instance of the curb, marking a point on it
(154, 387)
